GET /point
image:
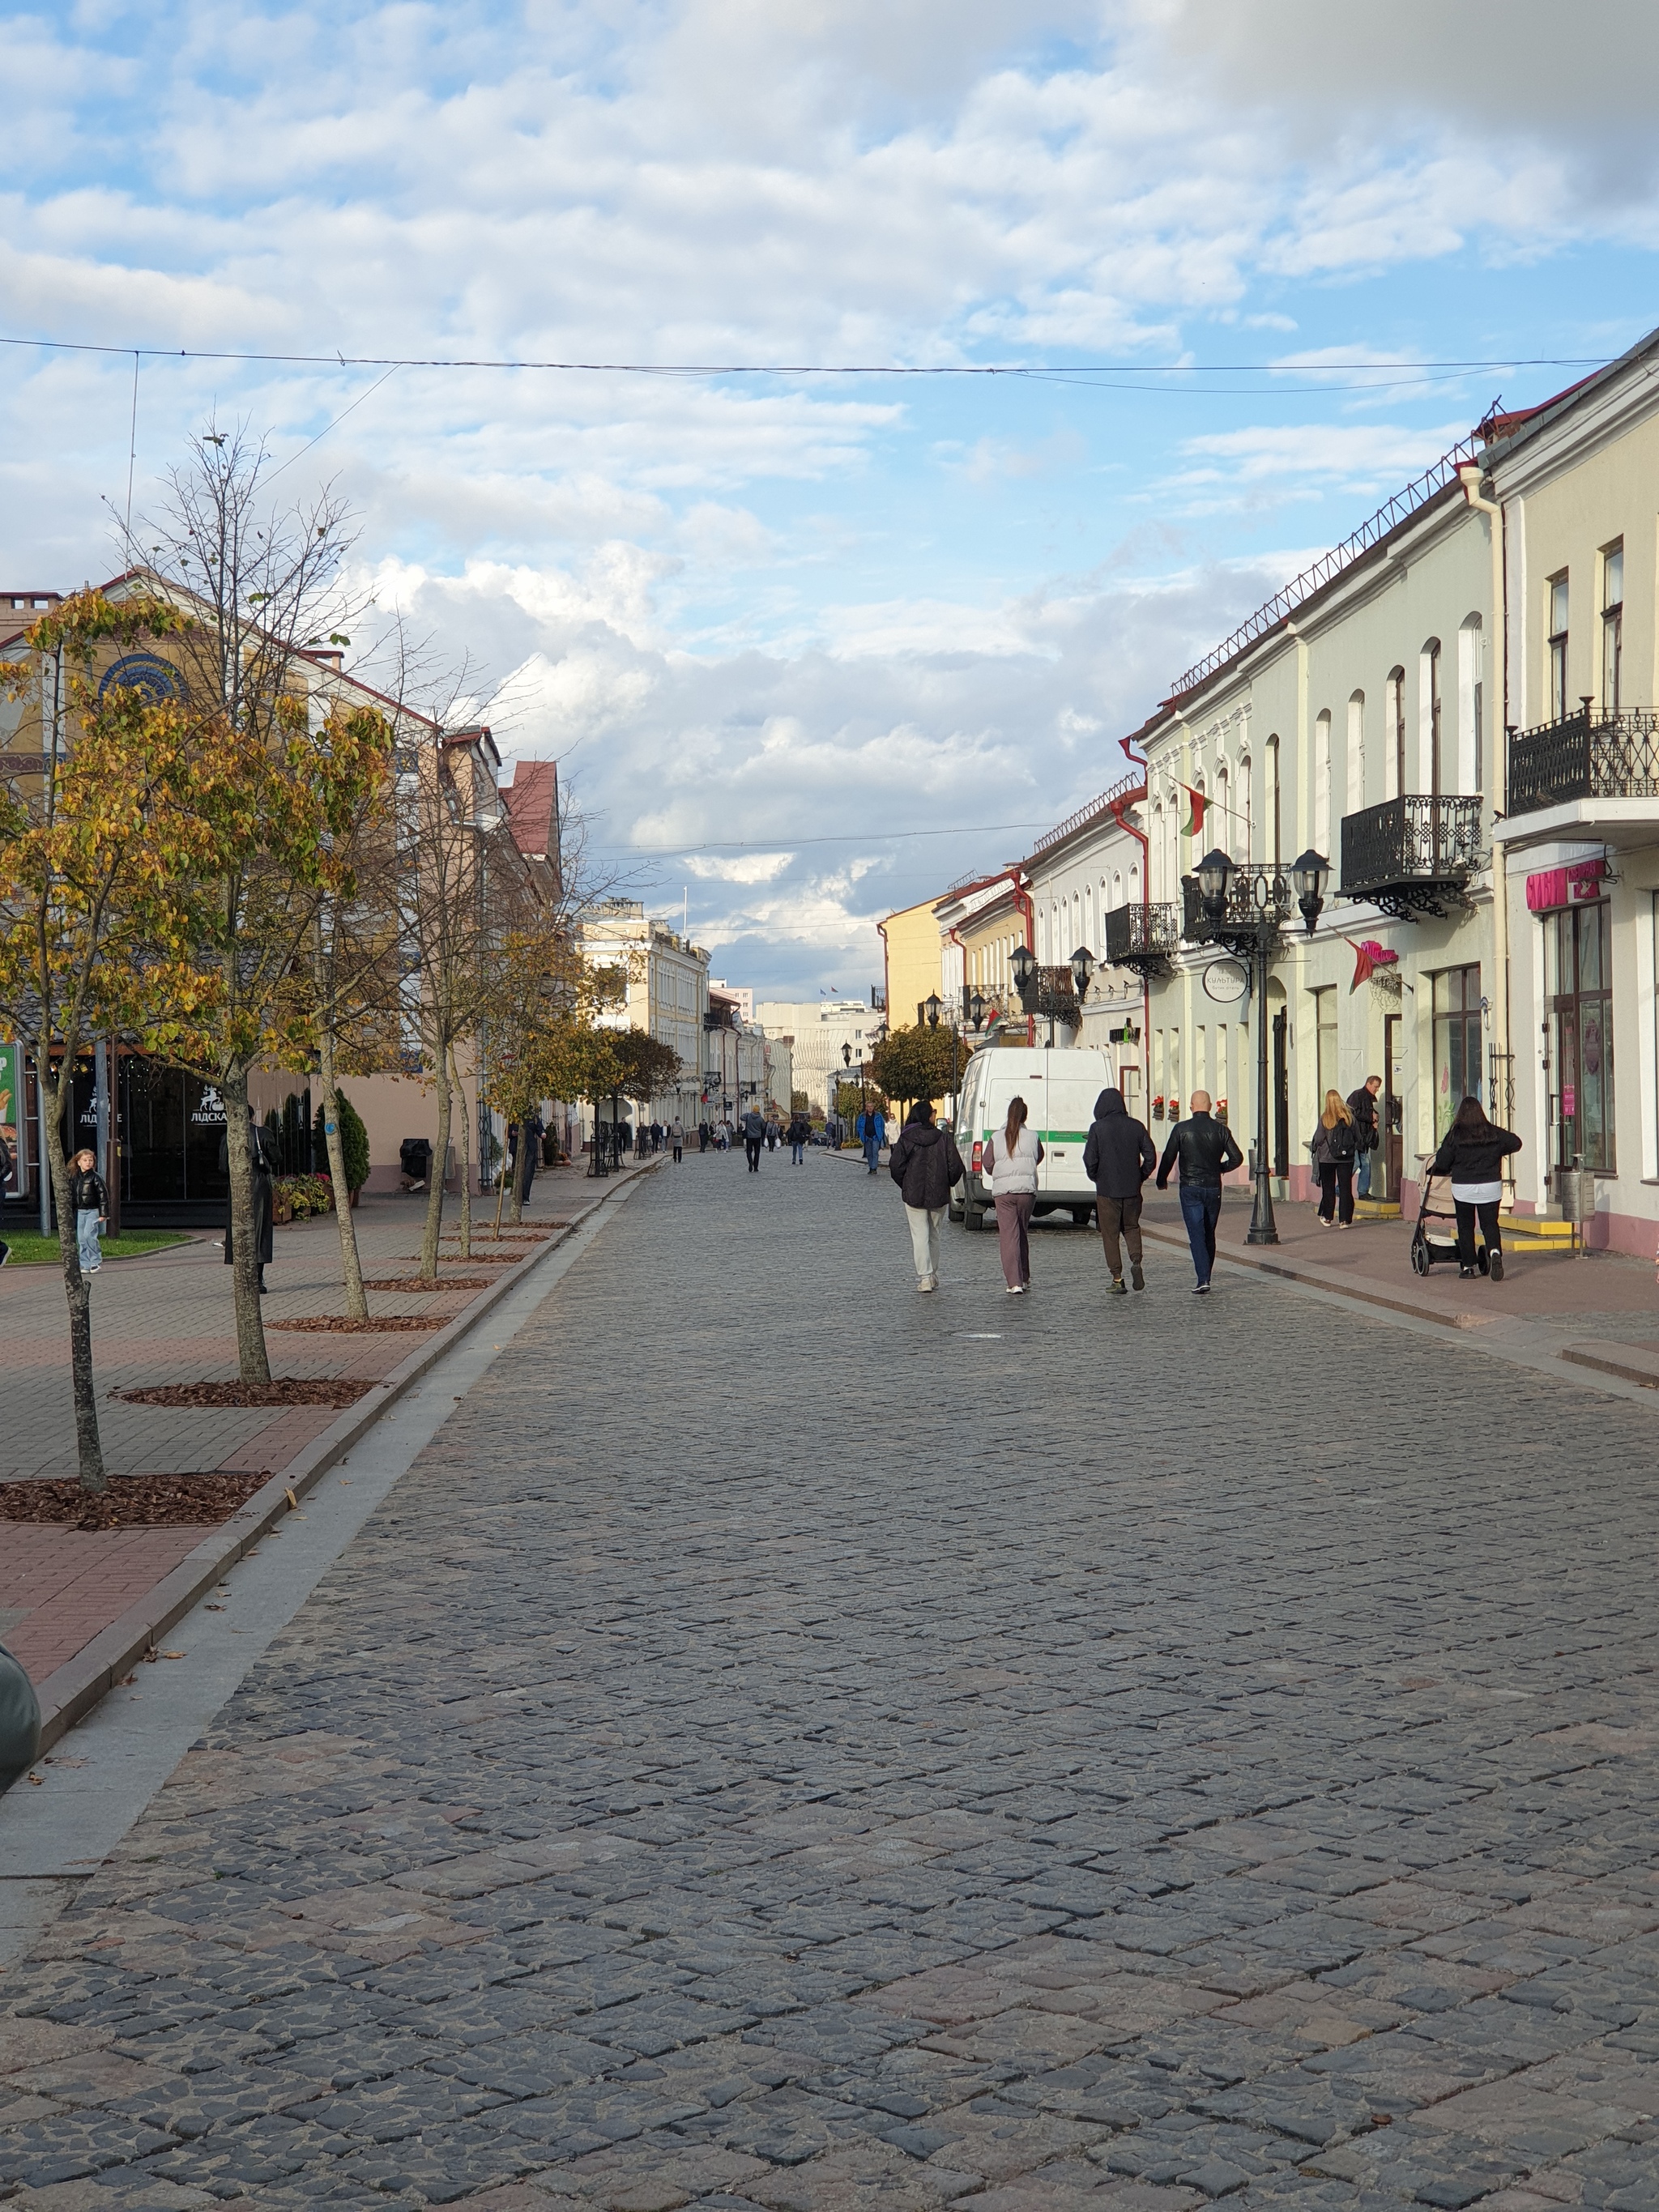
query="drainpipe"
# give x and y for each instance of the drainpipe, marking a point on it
(1118, 805)
(1023, 899)
(1470, 476)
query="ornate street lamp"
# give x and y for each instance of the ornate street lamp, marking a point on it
(1214, 873)
(976, 1008)
(930, 1006)
(1310, 876)
(1022, 964)
(1083, 967)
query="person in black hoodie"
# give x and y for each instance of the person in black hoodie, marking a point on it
(1117, 1159)
(1471, 1152)
(924, 1164)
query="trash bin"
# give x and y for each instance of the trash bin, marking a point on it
(415, 1160)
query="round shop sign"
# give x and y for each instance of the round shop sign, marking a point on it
(1226, 982)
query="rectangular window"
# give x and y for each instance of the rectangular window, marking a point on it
(1613, 625)
(1457, 1053)
(1558, 648)
(1578, 982)
(1479, 704)
(1325, 1034)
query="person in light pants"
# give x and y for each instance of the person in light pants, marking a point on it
(924, 1164)
(91, 1202)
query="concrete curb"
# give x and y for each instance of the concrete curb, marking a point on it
(68, 1693)
(1318, 1279)
(1631, 1364)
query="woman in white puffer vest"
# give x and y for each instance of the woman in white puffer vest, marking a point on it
(1010, 1159)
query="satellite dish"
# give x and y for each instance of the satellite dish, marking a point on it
(1226, 982)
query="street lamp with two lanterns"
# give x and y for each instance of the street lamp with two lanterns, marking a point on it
(1242, 908)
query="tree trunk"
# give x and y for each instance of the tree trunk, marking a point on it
(435, 1202)
(466, 1162)
(77, 1289)
(518, 1160)
(356, 1299)
(253, 1362)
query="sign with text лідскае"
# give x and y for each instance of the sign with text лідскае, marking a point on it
(11, 1111)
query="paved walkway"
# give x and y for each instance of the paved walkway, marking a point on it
(791, 1743)
(168, 1319)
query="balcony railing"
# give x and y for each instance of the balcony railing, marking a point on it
(1584, 757)
(1142, 936)
(1414, 854)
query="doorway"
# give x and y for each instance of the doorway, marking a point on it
(1394, 1111)
(1281, 1094)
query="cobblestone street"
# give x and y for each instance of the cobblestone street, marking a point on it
(791, 1743)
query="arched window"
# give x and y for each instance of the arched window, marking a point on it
(1394, 749)
(1134, 882)
(1275, 799)
(1356, 752)
(1223, 826)
(1321, 791)
(1471, 706)
(1244, 843)
(1428, 698)
(1156, 855)
(1117, 888)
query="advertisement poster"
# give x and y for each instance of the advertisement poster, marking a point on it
(11, 1108)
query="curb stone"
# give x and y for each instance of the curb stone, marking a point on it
(70, 1692)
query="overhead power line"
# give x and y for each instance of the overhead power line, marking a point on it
(1043, 370)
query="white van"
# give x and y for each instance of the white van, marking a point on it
(1059, 1086)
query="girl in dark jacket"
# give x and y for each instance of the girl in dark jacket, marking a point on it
(1471, 1152)
(1335, 1145)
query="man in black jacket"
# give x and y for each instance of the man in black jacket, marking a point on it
(1205, 1149)
(1362, 1105)
(1117, 1159)
(924, 1164)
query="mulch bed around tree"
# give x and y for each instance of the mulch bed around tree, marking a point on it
(342, 1325)
(281, 1390)
(475, 1259)
(445, 1282)
(132, 1501)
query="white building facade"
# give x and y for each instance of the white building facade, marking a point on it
(819, 1035)
(667, 993)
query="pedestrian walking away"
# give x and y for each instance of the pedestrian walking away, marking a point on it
(1471, 1152)
(1206, 1151)
(1010, 1160)
(677, 1139)
(90, 1202)
(871, 1129)
(1117, 1159)
(799, 1130)
(924, 1164)
(1362, 1105)
(772, 1133)
(7, 1167)
(754, 1136)
(1335, 1148)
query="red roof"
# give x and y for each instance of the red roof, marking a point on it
(532, 808)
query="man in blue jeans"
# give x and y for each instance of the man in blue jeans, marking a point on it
(1206, 1151)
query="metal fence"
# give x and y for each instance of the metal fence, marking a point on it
(1139, 932)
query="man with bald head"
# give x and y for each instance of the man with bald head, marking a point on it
(1206, 1151)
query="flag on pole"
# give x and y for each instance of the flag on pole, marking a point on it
(1195, 818)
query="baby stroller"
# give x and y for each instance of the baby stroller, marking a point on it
(1434, 1240)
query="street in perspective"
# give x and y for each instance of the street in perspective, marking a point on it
(829, 1108)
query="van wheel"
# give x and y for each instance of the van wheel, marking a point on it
(1084, 1216)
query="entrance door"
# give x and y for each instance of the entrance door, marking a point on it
(1281, 1094)
(1394, 1111)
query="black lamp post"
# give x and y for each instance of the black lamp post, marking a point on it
(1083, 967)
(1244, 913)
(1022, 966)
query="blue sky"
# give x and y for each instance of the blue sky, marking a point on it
(801, 616)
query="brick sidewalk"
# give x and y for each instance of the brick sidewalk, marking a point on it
(168, 1319)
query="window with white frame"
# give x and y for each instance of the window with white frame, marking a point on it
(1356, 752)
(1612, 623)
(1556, 590)
(1321, 793)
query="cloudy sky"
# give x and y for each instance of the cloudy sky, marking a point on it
(810, 647)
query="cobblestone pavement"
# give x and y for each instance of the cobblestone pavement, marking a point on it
(791, 1743)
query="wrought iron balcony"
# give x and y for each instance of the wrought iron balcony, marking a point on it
(1411, 855)
(1256, 899)
(1585, 756)
(1142, 938)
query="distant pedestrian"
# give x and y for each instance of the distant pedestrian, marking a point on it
(265, 1195)
(704, 1137)
(677, 1139)
(90, 1201)
(924, 1164)
(1362, 1105)
(754, 1136)
(529, 1154)
(1013, 1173)
(871, 1129)
(1117, 1159)
(1206, 1149)
(1335, 1148)
(7, 1167)
(772, 1133)
(1471, 1152)
(800, 1130)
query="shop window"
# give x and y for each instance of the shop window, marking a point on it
(1578, 981)
(1458, 1044)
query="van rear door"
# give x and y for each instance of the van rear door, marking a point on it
(1075, 1080)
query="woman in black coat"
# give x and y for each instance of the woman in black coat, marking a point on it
(265, 1195)
(1471, 1152)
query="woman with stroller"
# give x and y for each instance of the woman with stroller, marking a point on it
(1336, 1147)
(1471, 1152)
